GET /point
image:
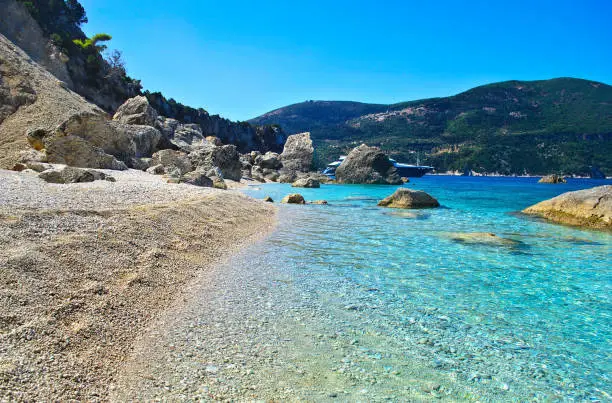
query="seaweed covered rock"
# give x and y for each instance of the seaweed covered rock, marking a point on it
(409, 199)
(367, 165)
(587, 208)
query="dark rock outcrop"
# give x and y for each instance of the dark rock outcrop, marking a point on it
(552, 179)
(367, 165)
(409, 199)
(587, 208)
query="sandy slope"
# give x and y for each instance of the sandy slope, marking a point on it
(85, 267)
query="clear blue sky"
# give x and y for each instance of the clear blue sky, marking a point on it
(240, 59)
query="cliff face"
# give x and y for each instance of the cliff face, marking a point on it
(21, 29)
(99, 86)
(244, 136)
(92, 77)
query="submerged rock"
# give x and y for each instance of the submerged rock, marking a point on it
(306, 183)
(367, 165)
(588, 208)
(408, 198)
(481, 238)
(320, 202)
(294, 198)
(553, 179)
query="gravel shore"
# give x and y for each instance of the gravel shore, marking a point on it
(85, 267)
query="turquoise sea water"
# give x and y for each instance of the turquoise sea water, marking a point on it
(525, 318)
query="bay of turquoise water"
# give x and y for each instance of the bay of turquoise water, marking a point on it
(526, 319)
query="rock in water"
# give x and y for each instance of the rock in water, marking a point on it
(306, 183)
(367, 165)
(408, 198)
(297, 154)
(268, 199)
(554, 179)
(481, 238)
(136, 111)
(587, 208)
(294, 198)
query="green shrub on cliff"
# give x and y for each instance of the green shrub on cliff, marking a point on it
(92, 43)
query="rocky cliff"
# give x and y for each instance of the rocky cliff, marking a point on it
(48, 40)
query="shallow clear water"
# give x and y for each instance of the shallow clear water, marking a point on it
(527, 317)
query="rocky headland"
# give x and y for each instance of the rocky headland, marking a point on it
(591, 208)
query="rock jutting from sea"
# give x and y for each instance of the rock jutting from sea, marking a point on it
(552, 179)
(591, 208)
(367, 165)
(405, 198)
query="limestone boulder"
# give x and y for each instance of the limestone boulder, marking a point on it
(306, 183)
(591, 208)
(197, 178)
(269, 160)
(214, 140)
(226, 158)
(187, 136)
(367, 165)
(136, 111)
(156, 170)
(145, 140)
(77, 152)
(297, 153)
(552, 179)
(409, 199)
(142, 164)
(69, 174)
(294, 198)
(172, 160)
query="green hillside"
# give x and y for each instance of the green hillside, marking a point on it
(562, 125)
